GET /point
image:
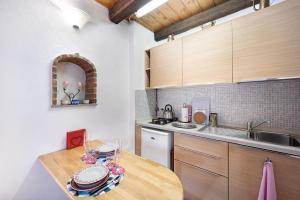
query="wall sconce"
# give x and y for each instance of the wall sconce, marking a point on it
(77, 18)
(72, 13)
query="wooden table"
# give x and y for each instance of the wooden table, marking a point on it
(143, 180)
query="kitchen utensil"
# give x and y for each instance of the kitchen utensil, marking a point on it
(91, 174)
(184, 113)
(201, 104)
(162, 121)
(199, 117)
(213, 119)
(168, 112)
(262, 4)
(155, 121)
(190, 112)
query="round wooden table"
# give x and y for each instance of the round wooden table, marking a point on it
(143, 180)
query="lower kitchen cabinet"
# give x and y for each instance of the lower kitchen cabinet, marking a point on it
(245, 173)
(201, 184)
(215, 164)
(202, 166)
(138, 132)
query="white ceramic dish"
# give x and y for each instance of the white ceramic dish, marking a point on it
(91, 174)
(86, 101)
(65, 102)
(106, 148)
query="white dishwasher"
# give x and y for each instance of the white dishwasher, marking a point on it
(157, 145)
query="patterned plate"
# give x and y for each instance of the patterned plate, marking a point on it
(88, 186)
(91, 174)
(76, 187)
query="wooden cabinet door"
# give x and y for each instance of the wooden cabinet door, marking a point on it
(199, 184)
(207, 56)
(138, 132)
(266, 43)
(204, 161)
(166, 65)
(245, 173)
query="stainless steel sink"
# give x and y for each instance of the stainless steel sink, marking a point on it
(184, 125)
(276, 138)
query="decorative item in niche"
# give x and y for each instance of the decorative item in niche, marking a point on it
(90, 85)
(71, 95)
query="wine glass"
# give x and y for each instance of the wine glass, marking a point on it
(88, 156)
(118, 169)
(113, 155)
(86, 145)
(118, 149)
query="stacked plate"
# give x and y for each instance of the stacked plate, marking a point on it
(107, 150)
(90, 179)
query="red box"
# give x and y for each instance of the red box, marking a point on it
(75, 138)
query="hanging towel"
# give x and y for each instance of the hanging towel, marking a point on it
(267, 189)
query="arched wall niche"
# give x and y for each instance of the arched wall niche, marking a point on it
(90, 74)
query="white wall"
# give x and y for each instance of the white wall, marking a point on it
(140, 40)
(32, 34)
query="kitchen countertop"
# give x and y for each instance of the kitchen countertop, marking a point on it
(144, 179)
(224, 134)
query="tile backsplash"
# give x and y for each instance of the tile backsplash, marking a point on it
(144, 104)
(276, 101)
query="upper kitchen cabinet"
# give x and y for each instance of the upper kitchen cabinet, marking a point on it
(207, 56)
(166, 65)
(266, 43)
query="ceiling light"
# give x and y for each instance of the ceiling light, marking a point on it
(149, 7)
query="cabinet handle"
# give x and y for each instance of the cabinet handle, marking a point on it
(267, 79)
(164, 86)
(152, 138)
(199, 152)
(205, 171)
(280, 153)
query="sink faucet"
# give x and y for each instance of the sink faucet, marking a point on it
(250, 127)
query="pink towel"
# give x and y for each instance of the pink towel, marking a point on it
(267, 189)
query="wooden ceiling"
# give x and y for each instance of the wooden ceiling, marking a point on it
(107, 3)
(175, 16)
(173, 11)
(170, 12)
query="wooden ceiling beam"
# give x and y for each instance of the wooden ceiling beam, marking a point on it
(122, 9)
(201, 18)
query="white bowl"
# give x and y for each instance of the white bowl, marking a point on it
(86, 101)
(65, 102)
